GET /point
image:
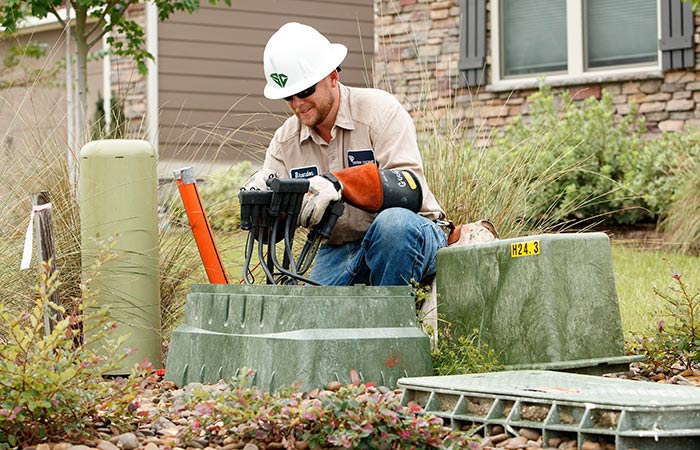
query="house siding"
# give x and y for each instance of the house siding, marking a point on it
(211, 74)
(36, 115)
(129, 87)
(418, 48)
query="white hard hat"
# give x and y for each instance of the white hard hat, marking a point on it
(296, 57)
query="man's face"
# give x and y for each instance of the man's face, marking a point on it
(313, 109)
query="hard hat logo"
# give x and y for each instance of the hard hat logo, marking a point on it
(279, 78)
(296, 57)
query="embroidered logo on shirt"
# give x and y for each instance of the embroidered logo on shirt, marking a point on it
(279, 78)
(359, 157)
(304, 172)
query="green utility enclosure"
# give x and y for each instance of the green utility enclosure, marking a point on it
(545, 301)
(118, 201)
(307, 334)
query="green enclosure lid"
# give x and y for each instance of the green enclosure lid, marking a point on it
(591, 412)
(568, 387)
(116, 148)
(535, 300)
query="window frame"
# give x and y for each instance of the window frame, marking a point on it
(576, 54)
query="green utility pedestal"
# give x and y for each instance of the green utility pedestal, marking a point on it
(298, 334)
(541, 302)
(118, 200)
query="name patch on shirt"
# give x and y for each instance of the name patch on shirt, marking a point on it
(304, 172)
(359, 157)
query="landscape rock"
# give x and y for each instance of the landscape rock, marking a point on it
(106, 445)
(516, 443)
(529, 433)
(126, 441)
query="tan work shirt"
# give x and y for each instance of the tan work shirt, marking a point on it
(371, 126)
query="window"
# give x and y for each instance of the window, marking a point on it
(565, 38)
(620, 32)
(534, 36)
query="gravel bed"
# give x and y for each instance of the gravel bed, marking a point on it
(158, 431)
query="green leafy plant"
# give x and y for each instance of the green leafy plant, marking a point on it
(355, 416)
(549, 170)
(453, 355)
(585, 136)
(462, 354)
(658, 170)
(52, 385)
(615, 174)
(675, 344)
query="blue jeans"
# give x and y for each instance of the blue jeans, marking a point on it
(399, 247)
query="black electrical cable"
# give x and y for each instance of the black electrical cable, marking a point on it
(288, 239)
(279, 267)
(249, 245)
(273, 253)
(261, 256)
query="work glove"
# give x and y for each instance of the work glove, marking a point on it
(258, 181)
(321, 193)
(372, 189)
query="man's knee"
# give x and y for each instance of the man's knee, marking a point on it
(395, 221)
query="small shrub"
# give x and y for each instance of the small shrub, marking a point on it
(562, 164)
(51, 386)
(585, 137)
(355, 416)
(608, 170)
(675, 344)
(454, 355)
(658, 169)
(462, 354)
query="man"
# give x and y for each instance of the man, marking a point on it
(347, 142)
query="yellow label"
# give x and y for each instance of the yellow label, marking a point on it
(526, 248)
(410, 180)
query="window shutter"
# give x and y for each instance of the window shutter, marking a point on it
(677, 29)
(472, 43)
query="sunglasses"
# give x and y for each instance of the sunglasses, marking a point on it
(302, 94)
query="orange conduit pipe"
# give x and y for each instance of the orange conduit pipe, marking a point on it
(201, 228)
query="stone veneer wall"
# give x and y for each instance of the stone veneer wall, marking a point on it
(417, 51)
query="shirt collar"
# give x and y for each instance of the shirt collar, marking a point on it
(343, 119)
